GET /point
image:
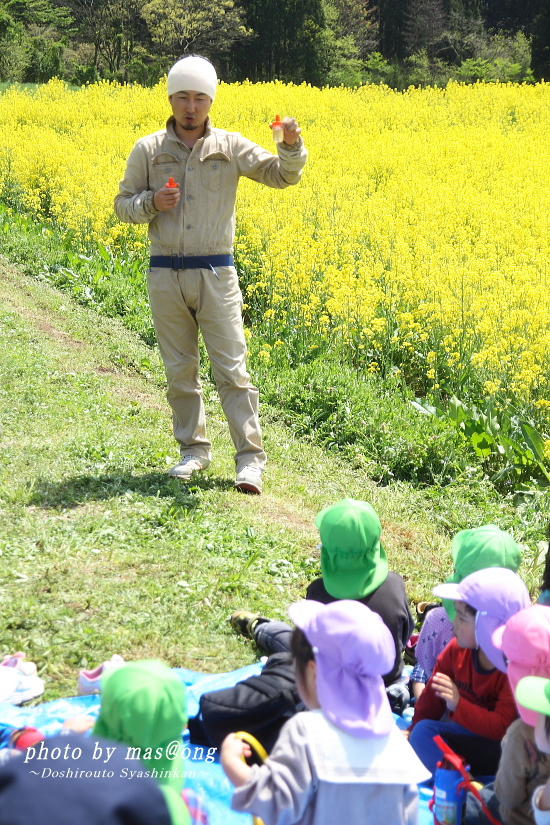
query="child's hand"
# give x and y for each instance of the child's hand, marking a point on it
(236, 747)
(232, 751)
(78, 724)
(446, 689)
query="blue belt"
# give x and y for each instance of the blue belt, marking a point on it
(191, 261)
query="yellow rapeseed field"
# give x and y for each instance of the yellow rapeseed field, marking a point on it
(419, 236)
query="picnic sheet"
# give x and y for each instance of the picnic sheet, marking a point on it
(204, 777)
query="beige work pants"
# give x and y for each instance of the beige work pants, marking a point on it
(181, 302)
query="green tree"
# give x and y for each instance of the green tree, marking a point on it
(294, 42)
(113, 27)
(378, 70)
(511, 15)
(391, 24)
(40, 13)
(47, 29)
(36, 35)
(464, 38)
(356, 19)
(540, 43)
(425, 22)
(206, 26)
(421, 69)
(14, 47)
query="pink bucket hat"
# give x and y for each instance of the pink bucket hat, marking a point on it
(353, 648)
(497, 594)
(525, 641)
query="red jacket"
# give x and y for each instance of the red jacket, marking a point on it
(486, 705)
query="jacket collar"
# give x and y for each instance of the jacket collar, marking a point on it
(213, 142)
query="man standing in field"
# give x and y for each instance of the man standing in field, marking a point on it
(192, 281)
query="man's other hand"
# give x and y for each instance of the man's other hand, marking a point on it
(291, 130)
(165, 199)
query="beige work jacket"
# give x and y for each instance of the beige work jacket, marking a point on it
(203, 222)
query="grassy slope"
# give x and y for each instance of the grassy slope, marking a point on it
(101, 552)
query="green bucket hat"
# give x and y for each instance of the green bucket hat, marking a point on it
(533, 693)
(353, 562)
(479, 548)
(143, 706)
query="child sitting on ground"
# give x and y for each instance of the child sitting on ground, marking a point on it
(544, 597)
(354, 566)
(468, 701)
(525, 642)
(472, 550)
(143, 706)
(346, 755)
(43, 788)
(533, 692)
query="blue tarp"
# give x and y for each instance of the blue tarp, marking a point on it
(204, 777)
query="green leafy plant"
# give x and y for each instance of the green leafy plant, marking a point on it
(509, 446)
(366, 419)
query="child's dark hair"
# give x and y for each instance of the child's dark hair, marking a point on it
(545, 584)
(547, 726)
(302, 652)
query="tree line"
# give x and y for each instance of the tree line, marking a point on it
(322, 42)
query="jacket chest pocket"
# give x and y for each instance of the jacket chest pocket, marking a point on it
(163, 167)
(214, 173)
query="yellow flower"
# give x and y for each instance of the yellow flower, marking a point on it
(373, 245)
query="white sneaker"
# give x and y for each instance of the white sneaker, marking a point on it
(188, 465)
(17, 687)
(89, 681)
(249, 479)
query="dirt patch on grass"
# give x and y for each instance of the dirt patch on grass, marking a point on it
(129, 393)
(50, 330)
(24, 299)
(401, 537)
(40, 317)
(275, 511)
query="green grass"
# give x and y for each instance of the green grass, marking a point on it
(8, 84)
(367, 418)
(101, 552)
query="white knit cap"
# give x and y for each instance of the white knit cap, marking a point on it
(193, 74)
